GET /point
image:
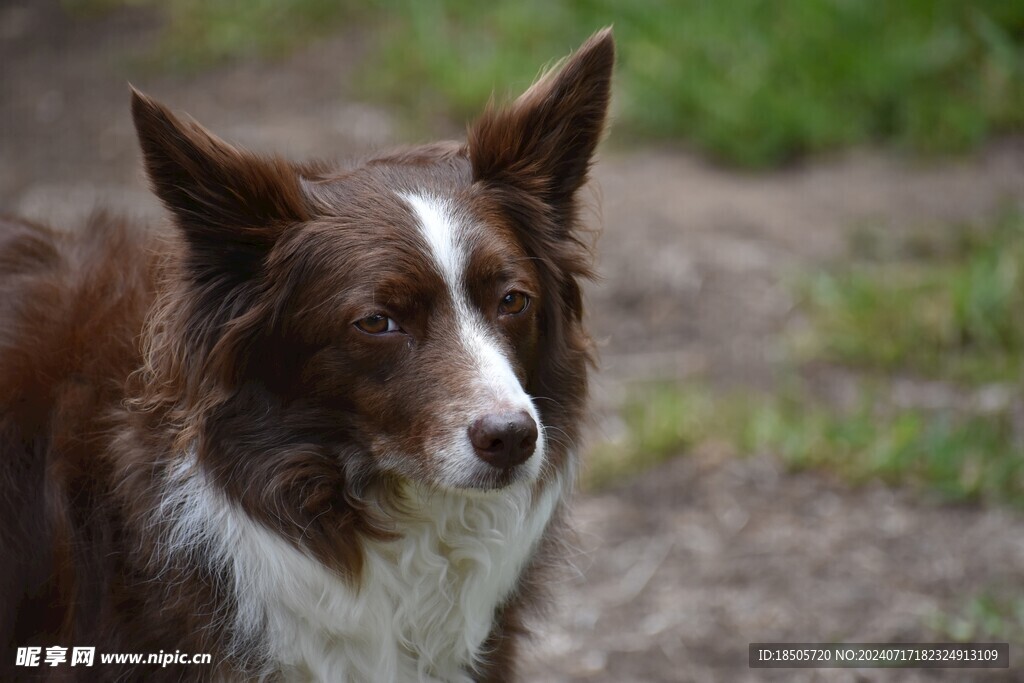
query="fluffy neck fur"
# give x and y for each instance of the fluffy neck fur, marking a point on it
(421, 609)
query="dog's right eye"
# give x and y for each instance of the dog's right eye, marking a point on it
(378, 323)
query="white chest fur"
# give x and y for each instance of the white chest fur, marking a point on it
(422, 610)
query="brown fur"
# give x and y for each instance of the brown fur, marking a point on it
(120, 349)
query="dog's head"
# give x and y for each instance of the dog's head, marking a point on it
(417, 317)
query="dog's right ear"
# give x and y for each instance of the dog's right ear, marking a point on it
(230, 204)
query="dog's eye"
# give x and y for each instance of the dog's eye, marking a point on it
(378, 323)
(513, 303)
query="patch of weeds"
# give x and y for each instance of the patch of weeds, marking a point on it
(660, 421)
(957, 313)
(961, 458)
(991, 616)
(743, 81)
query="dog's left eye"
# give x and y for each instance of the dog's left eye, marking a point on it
(378, 323)
(513, 303)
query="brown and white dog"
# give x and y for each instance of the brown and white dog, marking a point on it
(323, 430)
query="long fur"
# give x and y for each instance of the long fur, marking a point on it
(203, 449)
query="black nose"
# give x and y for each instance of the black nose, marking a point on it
(504, 440)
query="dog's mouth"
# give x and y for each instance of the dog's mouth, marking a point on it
(482, 479)
(495, 479)
(482, 485)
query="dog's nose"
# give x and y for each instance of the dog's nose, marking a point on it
(504, 440)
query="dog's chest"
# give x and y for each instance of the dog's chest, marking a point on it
(424, 607)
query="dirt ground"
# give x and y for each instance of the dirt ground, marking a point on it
(680, 568)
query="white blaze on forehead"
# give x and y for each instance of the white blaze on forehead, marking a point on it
(446, 238)
(497, 387)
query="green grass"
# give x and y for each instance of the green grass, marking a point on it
(959, 457)
(956, 313)
(749, 82)
(990, 616)
(963, 458)
(661, 422)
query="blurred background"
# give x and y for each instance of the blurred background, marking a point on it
(809, 420)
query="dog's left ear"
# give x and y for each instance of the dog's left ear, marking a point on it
(544, 141)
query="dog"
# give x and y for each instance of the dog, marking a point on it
(320, 428)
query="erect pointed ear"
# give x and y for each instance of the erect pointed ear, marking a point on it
(544, 141)
(230, 204)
